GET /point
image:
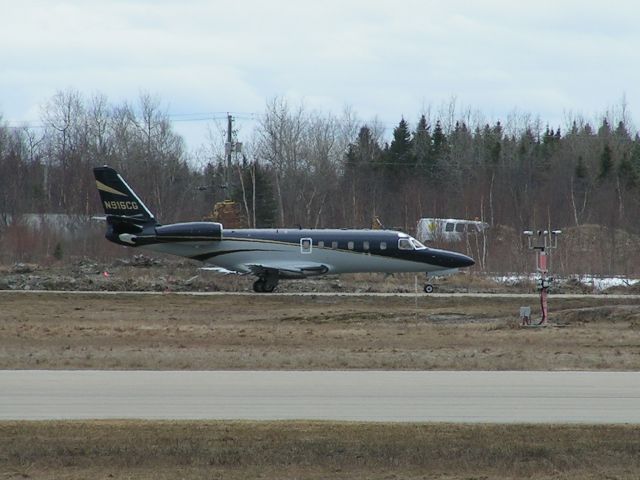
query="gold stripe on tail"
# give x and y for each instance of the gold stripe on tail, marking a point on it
(106, 188)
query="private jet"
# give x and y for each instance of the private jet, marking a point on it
(269, 254)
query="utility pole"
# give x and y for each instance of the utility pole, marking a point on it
(228, 147)
(228, 211)
(231, 146)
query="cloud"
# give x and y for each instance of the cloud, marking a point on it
(381, 57)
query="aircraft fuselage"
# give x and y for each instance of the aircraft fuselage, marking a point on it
(341, 251)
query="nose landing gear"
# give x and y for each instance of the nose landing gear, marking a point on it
(428, 286)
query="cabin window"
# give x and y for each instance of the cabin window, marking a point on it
(383, 245)
(305, 245)
(460, 227)
(334, 245)
(350, 245)
(449, 227)
(405, 244)
(320, 244)
(365, 246)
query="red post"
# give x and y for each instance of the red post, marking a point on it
(543, 305)
(542, 268)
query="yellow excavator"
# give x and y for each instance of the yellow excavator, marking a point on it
(376, 224)
(229, 214)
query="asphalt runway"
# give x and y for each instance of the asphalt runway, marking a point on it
(377, 396)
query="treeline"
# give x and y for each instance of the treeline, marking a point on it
(304, 168)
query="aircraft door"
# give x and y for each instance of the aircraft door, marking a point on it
(306, 245)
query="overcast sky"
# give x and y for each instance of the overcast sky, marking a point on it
(383, 58)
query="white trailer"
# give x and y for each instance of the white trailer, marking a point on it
(447, 229)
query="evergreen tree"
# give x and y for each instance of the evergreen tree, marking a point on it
(461, 150)
(574, 128)
(368, 151)
(606, 162)
(581, 171)
(422, 146)
(494, 144)
(635, 153)
(439, 145)
(587, 130)
(604, 131)
(621, 132)
(399, 156)
(364, 153)
(550, 143)
(266, 206)
(627, 172)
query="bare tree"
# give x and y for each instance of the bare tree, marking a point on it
(281, 144)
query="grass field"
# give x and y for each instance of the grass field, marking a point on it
(313, 332)
(288, 450)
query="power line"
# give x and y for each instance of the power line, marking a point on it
(23, 125)
(205, 116)
(175, 117)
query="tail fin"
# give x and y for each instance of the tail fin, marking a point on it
(118, 199)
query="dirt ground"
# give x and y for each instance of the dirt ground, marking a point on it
(170, 331)
(160, 274)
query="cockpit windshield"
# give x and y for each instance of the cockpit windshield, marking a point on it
(417, 245)
(410, 243)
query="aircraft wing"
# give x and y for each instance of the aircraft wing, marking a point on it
(287, 269)
(219, 270)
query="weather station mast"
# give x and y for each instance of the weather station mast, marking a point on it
(542, 242)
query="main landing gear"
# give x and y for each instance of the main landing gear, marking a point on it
(265, 284)
(428, 287)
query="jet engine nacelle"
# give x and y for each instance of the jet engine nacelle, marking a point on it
(198, 230)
